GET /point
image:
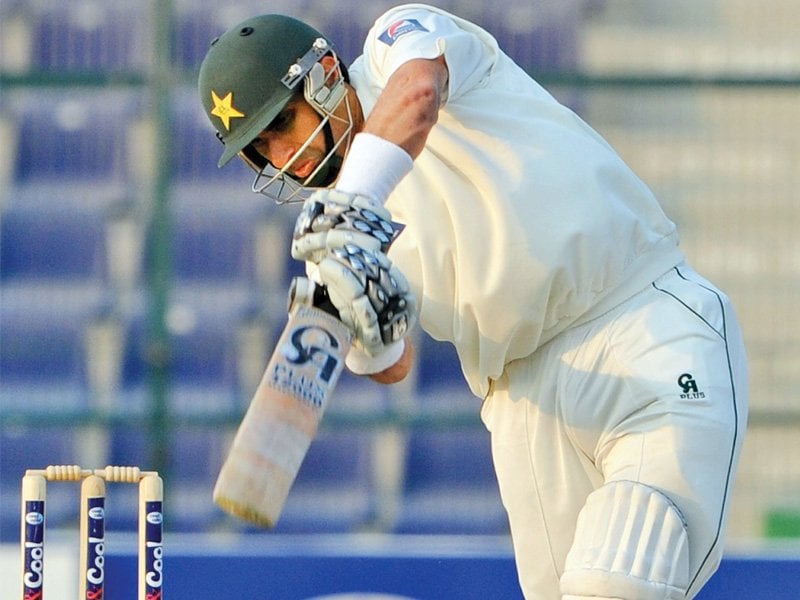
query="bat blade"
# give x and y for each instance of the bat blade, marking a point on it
(283, 417)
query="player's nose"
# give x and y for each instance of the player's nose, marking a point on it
(281, 152)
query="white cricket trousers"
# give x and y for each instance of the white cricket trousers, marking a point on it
(654, 391)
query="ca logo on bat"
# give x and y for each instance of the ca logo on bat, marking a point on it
(305, 345)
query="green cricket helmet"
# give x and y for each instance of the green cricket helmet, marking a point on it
(250, 74)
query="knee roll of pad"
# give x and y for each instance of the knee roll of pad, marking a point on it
(630, 543)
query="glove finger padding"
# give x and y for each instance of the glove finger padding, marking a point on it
(313, 247)
(371, 295)
(331, 218)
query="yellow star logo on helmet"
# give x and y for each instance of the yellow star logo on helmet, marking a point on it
(224, 109)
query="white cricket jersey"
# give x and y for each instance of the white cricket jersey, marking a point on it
(521, 220)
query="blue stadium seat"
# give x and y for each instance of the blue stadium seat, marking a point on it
(201, 358)
(333, 489)
(437, 366)
(72, 134)
(215, 292)
(216, 247)
(128, 445)
(92, 35)
(52, 267)
(42, 361)
(56, 244)
(23, 448)
(33, 448)
(191, 37)
(134, 387)
(216, 289)
(203, 367)
(196, 457)
(71, 148)
(53, 272)
(450, 486)
(43, 352)
(538, 36)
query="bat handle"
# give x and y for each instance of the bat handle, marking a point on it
(306, 292)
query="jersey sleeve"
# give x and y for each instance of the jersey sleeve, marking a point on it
(410, 32)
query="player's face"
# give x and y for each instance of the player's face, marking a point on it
(282, 139)
(297, 125)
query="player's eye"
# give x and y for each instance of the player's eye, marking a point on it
(283, 121)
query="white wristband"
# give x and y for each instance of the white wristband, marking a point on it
(373, 167)
(361, 363)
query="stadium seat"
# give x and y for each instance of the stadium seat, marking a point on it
(539, 36)
(216, 291)
(72, 148)
(450, 486)
(192, 35)
(196, 456)
(57, 245)
(437, 365)
(42, 360)
(92, 35)
(35, 448)
(201, 358)
(213, 248)
(53, 272)
(203, 367)
(72, 134)
(43, 352)
(333, 489)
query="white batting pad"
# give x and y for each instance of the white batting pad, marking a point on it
(630, 543)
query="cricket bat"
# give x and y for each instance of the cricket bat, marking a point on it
(284, 414)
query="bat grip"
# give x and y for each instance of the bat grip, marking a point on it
(323, 302)
(305, 291)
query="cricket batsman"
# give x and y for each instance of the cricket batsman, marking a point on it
(613, 375)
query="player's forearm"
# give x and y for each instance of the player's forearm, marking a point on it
(408, 107)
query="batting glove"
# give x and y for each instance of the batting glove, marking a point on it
(347, 236)
(371, 295)
(330, 219)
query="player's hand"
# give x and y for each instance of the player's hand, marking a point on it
(347, 237)
(330, 219)
(371, 295)
(305, 292)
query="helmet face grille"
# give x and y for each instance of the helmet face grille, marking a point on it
(325, 93)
